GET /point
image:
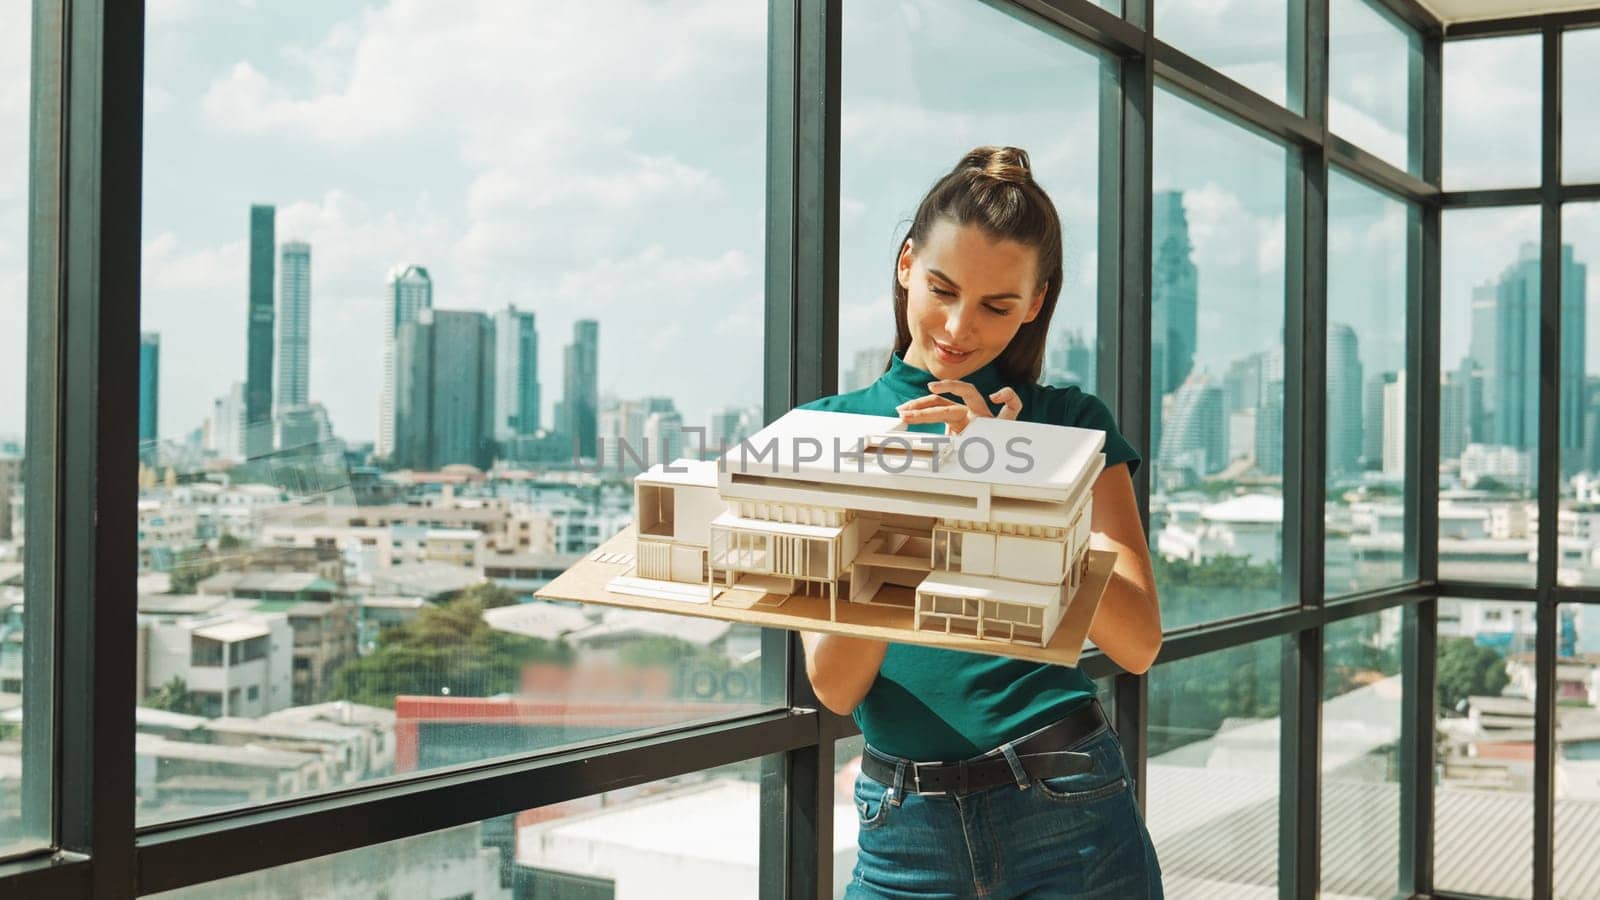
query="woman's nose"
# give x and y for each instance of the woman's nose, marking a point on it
(957, 321)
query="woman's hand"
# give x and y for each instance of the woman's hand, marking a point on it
(955, 416)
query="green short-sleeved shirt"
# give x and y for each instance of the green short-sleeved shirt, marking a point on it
(929, 704)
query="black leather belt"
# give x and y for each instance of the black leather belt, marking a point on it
(1043, 754)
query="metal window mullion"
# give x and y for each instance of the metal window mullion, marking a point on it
(802, 362)
(1550, 473)
(41, 652)
(96, 552)
(1127, 123)
(263, 837)
(1305, 452)
(1419, 646)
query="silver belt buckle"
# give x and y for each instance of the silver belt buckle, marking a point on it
(916, 780)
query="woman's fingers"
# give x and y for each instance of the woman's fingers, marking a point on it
(927, 401)
(968, 394)
(1008, 399)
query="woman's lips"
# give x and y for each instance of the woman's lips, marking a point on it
(950, 354)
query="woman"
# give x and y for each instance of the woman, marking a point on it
(976, 280)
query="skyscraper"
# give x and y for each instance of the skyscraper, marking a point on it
(578, 414)
(1394, 427)
(1344, 400)
(1196, 434)
(294, 326)
(516, 375)
(1269, 426)
(149, 392)
(258, 364)
(408, 292)
(444, 390)
(1505, 347)
(865, 367)
(1174, 293)
(1174, 297)
(1574, 349)
(1515, 374)
(1372, 420)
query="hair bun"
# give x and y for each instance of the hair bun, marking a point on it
(1008, 164)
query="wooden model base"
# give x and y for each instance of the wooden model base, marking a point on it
(887, 618)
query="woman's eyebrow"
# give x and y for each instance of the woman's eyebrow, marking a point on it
(952, 282)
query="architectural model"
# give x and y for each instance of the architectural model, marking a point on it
(833, 519)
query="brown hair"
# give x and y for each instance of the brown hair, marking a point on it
(993, 188)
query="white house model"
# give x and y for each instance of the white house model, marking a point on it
(983, 534)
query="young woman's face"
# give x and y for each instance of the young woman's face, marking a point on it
(967, 294)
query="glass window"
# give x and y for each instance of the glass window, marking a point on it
(1370, 55)
(24, 807)
(1361, 724)
(1579, 540)
(1245, 40)
(1580, 115)
(1370, 235)
(622, 843)
(1217, 364)
(918, 93)
(394, 340)
(1491, 112)
(1483, 788)
(1489, 394)
(1577, 775)
(1211, 778)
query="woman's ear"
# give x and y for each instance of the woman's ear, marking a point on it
(903, 269)
(1037, 305)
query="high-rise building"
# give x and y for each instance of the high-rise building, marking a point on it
(865, 367)
(1574, 350)
(1241, 385)
(1070, 361)
(258, 362)
(304, 426)
(225, 430)
(1344, 400)
(1174, 293)
(1372, 420)
(1514, 375)
(149, 393)
(1453, 428)
(444, 390)
(1269, 424)
(578, 413)
(1196, 432)
(621, 433)
(1481, 350)
(516, 374)
(294, 325)
(1591, 425)
(663, 434)
(409, 291)
(1394, 427)
(729, 425)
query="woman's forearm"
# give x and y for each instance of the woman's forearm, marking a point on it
(1127, 625)
(841, 668)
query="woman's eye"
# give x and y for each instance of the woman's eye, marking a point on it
(999, 311)
(940, 291)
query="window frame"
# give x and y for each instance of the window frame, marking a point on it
(87, 131)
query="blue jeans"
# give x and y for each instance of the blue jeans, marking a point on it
(1076, 836)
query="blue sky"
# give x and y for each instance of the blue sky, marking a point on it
(606, 160)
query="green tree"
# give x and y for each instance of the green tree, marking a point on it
(229, 541)
(489, 595)
(447, 650)
(1218, 571)
(189, 568)
(1467, 669)
(174, 696)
